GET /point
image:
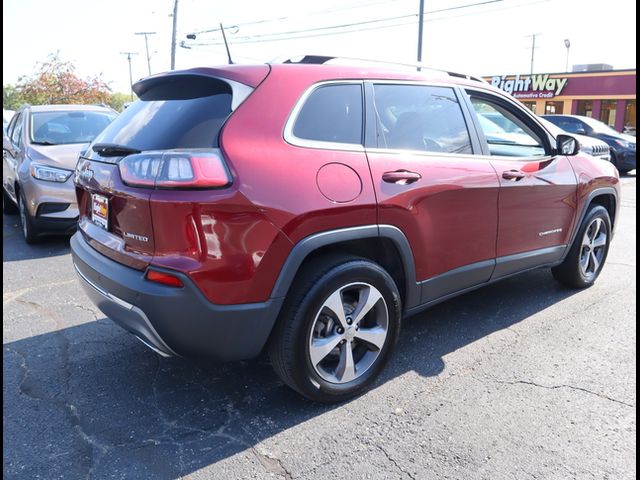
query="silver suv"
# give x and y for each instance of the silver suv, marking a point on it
(39, 153)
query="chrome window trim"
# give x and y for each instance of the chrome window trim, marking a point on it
(291, 139)
(470, 156)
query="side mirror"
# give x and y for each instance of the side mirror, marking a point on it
(567, 145)
(581, 131)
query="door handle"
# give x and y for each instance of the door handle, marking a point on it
(513, 175)
(401, 177)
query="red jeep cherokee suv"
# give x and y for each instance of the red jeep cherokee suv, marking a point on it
(306, 208)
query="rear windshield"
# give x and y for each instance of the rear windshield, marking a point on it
(61, 128)
(164, 122)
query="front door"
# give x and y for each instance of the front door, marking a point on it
(429, 184)
(537, 203)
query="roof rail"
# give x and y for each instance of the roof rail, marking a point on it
(325, 59)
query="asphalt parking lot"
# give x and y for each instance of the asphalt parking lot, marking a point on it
(521, 380)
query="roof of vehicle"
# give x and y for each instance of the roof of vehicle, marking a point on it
(68, 108)
(320, 68)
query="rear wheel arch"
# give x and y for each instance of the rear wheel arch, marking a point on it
(385, 245)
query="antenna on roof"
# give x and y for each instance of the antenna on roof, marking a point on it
(226, 45)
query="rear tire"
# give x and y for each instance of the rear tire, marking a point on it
(589, 250)
(29, 229)
(321, 347)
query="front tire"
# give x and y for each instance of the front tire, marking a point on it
(589, 250)
(337, 329)
(29, 230)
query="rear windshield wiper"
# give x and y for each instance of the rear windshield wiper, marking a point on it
(113, 150)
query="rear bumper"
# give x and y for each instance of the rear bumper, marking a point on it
(172, 321)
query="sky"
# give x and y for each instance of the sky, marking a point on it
(490, 37)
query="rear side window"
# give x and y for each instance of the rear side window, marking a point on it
(173, 116)
(420, 117)
(332, 113)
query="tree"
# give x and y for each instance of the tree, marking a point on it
(118, 100)
(11, 98)
(56, 82)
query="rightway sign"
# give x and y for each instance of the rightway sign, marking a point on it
(530, 86)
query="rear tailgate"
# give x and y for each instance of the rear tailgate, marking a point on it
(177, 111)
(126, 234)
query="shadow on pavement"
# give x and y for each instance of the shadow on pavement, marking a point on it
(92, 401)
(14, 247)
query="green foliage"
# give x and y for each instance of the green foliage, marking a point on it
(118, 100)
(11, 98)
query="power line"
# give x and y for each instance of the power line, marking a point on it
(364, 22)
(251, 39)
(290, 17)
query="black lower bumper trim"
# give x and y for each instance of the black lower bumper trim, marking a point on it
(173, 321)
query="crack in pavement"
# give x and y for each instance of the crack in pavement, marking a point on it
(563, 385)
(394, 462)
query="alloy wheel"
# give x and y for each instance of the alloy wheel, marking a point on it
(593, 249)
(348, 333)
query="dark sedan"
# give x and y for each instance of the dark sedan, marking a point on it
(623, 147)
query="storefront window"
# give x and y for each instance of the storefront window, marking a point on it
(553, 108)
(630, 114)
(531, 106)
(585, 108)
(608, 112)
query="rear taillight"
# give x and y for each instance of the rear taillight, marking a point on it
(175, 169)
(164, 278)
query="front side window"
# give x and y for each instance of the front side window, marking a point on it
(419, 117)
(61, 128)
(332, 113)
(506, 133)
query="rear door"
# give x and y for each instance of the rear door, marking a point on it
(537, 203)
(430, 185)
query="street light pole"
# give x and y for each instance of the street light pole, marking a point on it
(128, 54)
(146, 44)
(173, 34)
(420, 31)
(567, 44)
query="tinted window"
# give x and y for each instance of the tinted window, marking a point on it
(568, 124)
(157, 123)
(61, 128)
(416, 117)
(332, 113)
(506, 133)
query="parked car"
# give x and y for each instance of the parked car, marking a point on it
(39, 154)
(623, 147)
(306, 209)
(588, 145)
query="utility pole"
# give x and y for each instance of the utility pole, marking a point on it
(146, 44)
(173, 34)
(533, 48)
(420, 30)
(128, 54)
